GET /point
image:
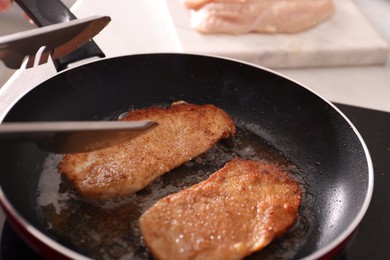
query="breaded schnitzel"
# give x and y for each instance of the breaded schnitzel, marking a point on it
(184, 131)
(240, 209)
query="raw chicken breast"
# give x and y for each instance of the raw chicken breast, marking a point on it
(263, 16)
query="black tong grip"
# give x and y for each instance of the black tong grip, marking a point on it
(48, 12)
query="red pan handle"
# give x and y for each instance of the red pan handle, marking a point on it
(48, 12)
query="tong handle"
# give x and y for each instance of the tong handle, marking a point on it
(48, 12)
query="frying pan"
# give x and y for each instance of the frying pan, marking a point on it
(334, 165)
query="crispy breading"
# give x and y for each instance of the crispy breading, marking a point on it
(240, 209)
(184, 131)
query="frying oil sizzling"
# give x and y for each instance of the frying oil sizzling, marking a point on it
(110, 230)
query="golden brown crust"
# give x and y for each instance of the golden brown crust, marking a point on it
(239, 210)
(184, 132)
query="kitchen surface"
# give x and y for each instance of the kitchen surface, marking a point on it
(358, 84)
(366, 86)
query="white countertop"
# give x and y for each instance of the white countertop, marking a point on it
(146, 27)
(368, 86)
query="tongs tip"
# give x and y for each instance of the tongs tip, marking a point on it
(74, 137)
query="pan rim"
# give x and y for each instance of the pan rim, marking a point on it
(370, 187)
(13, 214)
(315, 255)
(344, 236)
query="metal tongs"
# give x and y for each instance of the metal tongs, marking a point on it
(56, 40)
(73, 137)
(33, 48)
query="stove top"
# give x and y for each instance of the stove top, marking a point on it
(371, 240)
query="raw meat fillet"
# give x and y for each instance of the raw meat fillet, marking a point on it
(263, 16)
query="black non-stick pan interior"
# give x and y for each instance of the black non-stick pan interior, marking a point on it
(304, 127)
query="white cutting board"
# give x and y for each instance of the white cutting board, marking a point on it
(345, 39)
